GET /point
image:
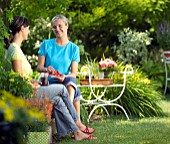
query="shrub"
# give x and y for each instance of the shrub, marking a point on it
(133, 46)
(15, 84)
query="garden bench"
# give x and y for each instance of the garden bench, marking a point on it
(99, 101)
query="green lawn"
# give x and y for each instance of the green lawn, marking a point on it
(137, 131)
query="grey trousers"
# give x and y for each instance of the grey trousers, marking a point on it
(64, 112)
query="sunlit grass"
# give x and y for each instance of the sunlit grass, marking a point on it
(155, 130)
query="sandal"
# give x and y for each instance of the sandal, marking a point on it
(90, 138)
(87, 130)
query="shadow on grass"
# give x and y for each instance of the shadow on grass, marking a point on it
(167, 97)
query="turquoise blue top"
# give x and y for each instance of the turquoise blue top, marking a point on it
(59, 57)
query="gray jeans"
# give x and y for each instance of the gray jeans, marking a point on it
(64, 112)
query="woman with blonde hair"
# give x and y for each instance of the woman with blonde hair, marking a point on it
(62, 55)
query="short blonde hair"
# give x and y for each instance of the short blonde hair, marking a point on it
(60, 16)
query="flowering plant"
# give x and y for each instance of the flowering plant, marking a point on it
(15, 114)
(44, 106)
(163, 35)
(107, 65)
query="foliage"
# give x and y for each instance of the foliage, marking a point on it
(37, 126)
(84, 115)
(44, 106)
(33, 60)
(15, 84)
(95, 23)
(35, 75)
(154, 70)
(39, 31)
(98, 22)
(83, 53)
(2, 58)
(133, 46)
(140, 97)
(163, 35)
(93, 66)
(15, 114)
(3, 34)
(15, 107)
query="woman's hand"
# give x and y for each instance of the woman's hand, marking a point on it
(50, 69)
(60, 78)
(35, 85)
(57, 75)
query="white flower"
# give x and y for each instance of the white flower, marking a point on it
(49, 25)
(37, 44)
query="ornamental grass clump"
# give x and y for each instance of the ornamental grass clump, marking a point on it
(140, 97)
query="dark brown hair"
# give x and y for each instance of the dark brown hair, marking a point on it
(15, 27)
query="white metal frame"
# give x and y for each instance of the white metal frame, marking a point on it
(166, 60)
(98, 101)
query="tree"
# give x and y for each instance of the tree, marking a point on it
(95, 23)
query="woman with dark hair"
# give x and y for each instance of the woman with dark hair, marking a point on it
(19, 30)
(15, 27)
(67, 120)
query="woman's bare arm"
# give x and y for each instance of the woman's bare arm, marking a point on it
(74, 69)
(41, 62)
(17, 66)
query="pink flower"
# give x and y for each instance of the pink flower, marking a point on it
(102, 64)
(107, 64)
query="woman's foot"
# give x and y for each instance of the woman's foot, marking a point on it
(83, 128)
(79, 135)
(88, 130)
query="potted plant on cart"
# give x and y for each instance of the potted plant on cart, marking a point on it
(107, 66)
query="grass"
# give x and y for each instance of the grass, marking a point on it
(154, 130)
